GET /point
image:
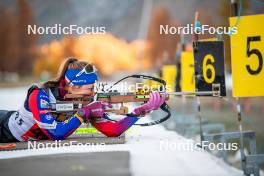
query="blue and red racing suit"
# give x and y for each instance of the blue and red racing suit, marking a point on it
(34, 121)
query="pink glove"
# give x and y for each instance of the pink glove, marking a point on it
(154, 102)
(95, 109)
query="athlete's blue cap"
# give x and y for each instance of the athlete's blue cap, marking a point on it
(79, 78)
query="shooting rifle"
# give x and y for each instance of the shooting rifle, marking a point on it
(78, 101)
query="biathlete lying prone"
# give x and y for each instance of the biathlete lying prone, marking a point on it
(34, 121)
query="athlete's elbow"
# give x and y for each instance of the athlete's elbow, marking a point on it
(113, 134)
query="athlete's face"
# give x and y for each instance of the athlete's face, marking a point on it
(83, 90)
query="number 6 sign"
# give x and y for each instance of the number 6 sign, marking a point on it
(247, 51)
(209, 66)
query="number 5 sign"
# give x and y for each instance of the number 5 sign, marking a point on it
(209, 66)
(247, 52)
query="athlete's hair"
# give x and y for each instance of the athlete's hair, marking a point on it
(70, 63)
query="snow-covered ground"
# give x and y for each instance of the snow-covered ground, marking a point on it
(149, 155)
(12, 98)
(152, 149)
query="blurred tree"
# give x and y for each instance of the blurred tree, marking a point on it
(16, 46)
(161, 44)
(4, 15)
(108, 53)
(26, 42)
(13, 48)
(8, 42)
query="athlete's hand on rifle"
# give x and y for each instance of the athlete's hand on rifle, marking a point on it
(95, 109)
(155, 101)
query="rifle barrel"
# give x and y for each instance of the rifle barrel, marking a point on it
(193, 93)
